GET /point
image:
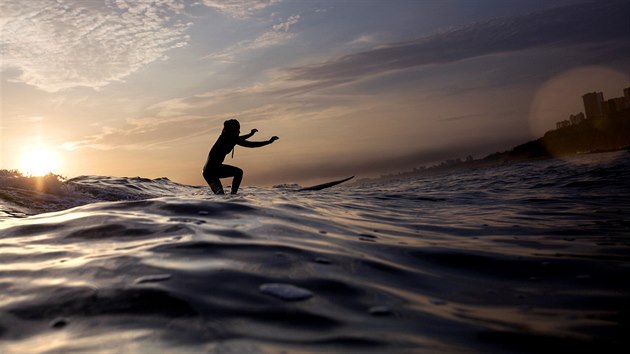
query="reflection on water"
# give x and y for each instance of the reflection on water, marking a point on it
(518, 258)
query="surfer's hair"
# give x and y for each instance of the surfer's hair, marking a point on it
(231, 125)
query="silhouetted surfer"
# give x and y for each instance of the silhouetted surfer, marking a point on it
(214, 167)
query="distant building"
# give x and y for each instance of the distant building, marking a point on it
(613, 106)
(609, 107)
(593, 102)
(576, 118)
(596, 107)
(563, 124)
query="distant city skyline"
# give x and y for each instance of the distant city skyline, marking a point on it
(141, 88)
(596, 106)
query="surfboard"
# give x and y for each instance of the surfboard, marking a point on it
(324, 185)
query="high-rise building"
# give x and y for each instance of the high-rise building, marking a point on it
(620, 103)
(609, 107)
(613, 105)
(593, 104)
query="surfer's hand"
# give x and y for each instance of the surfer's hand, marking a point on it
(254, 131)
(273, 138)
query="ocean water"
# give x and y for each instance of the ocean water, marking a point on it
(527, 257)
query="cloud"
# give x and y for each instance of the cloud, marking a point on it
(146, 134)
(284, 26)
(362, 40)
(239, 9)
(277, 35)
(178, 121)
(58, 44)
(460, 117)
(565, 26)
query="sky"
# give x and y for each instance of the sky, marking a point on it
(142, 87)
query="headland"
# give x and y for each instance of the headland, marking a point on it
(604, 128)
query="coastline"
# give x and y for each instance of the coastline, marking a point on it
(592, 136)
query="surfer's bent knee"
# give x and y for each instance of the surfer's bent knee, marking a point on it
(216, 186)
(213, 182)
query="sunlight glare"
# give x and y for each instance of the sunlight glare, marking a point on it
(38, 162)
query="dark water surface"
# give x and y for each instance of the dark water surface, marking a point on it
(530, 257)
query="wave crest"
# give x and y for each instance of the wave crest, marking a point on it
(22, 195)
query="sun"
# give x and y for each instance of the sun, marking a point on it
(39, 162)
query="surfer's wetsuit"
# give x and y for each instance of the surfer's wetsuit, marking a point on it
(214, 167)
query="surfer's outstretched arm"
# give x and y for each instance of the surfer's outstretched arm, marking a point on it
(255, 144)
(247, 136)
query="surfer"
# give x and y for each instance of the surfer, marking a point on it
(214, 169)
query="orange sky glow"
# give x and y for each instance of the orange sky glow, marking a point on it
(135, 88)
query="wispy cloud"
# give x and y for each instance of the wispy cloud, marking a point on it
(240, 9)
(284, 26)
(58, 44)
(179, 121)
(365, 39)
(278, 34)
(146, 134)
(566, 26)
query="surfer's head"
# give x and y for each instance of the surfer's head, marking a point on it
(231, 126)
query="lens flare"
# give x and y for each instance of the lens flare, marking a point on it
(562, 95)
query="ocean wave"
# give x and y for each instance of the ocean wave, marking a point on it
(25, 195)
(430, 264)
